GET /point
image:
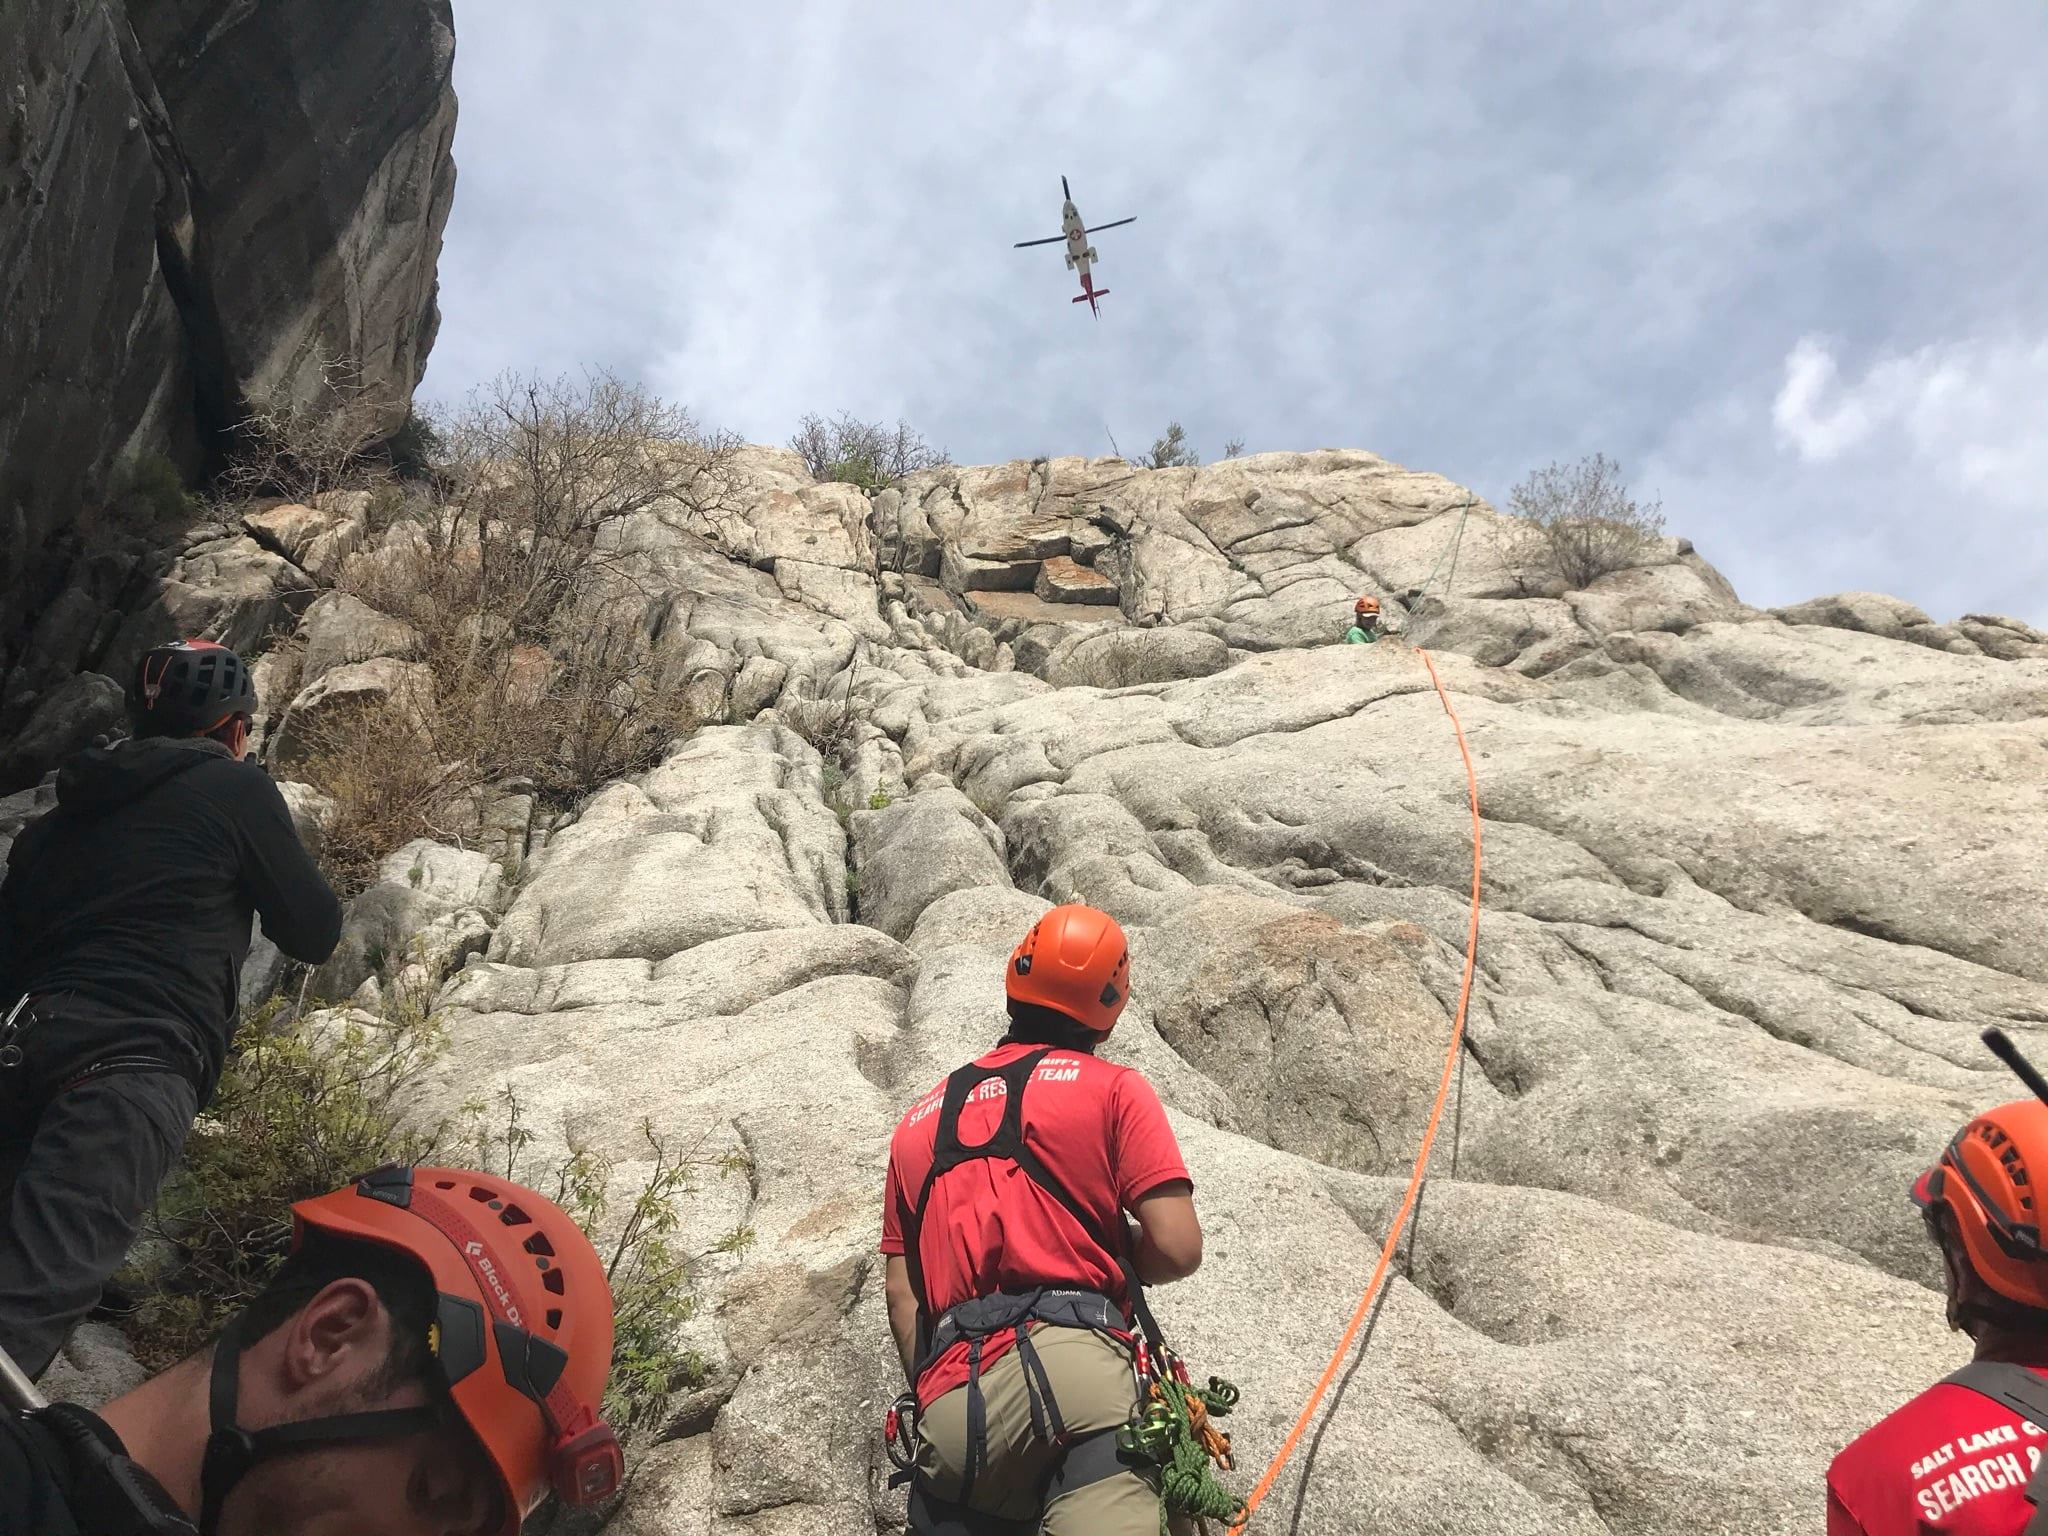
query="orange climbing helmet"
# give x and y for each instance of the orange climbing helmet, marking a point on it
(1366, 606)
(1076, 961)
(522, 1333)
(1986, 1180)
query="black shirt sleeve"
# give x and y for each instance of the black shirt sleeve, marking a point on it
(300, 912)
(31, 1501)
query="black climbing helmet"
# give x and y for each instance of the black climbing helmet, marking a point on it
(188, 688)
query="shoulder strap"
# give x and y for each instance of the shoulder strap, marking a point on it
(949, 1152)
(2011, 1386)
(110, 1493)
(2026, 1394)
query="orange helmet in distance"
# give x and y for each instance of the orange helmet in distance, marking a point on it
(1366, 606)
(1986, 1180)
(1074, 960)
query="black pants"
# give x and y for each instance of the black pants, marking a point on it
(76, 1177)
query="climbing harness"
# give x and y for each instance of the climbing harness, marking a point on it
(1453, 1060)
(1174, 1441)
(10, 1035)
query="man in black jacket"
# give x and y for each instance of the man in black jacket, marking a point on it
(124, 922)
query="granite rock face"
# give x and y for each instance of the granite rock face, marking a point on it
(203, 204)
(1752, 884)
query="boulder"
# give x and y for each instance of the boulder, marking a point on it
(910, 853)
(1127, 658)
(94, 1367)
(400, 692)
(1060, 580)
(340, 631)
(430, 908)
(317, 539)
(2007, 639)
(228, 589)
(1874, 613)
(971, 573)
(65, 719)
(730, 833)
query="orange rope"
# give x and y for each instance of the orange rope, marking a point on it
(1436, 1115)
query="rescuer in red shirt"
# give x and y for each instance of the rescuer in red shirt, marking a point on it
(1960, 1457)
(1013, 1279)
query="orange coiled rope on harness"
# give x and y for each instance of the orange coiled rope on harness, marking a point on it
(1436, 1114)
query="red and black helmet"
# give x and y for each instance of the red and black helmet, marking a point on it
(188, 688)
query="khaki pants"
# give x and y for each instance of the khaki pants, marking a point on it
(1091, 1382)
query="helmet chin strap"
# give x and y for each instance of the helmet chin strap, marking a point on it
(231, 1450)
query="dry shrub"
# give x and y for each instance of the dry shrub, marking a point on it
(520, 596)
(388, 783)
(298, 447)
(1583, 522)
(540, 470)
(863, 453)
(830, 726)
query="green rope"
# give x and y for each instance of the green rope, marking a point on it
(1450, 550)
(1164, 1434)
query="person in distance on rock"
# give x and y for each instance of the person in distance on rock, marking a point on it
(1965, 1456)
(124, 922)
(1013, 1279)
(1365, 622)
(429, 1361)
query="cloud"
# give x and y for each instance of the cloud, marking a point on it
(1472, 238)
(1976, 411)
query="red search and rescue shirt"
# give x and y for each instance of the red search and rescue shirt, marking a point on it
(1950, 1460)
(1101, 1131)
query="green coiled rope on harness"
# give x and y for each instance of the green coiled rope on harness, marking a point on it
(1169, 1432)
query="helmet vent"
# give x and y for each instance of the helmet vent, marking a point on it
(552, 1280)
(554, 1319)
(512, 1216)
(538, 1243)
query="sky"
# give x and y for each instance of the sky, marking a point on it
(1787, 263)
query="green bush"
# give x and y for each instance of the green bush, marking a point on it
(311, 1100)
(649, 1276)
(155, 489)
(306, 1104)
(1172, 450)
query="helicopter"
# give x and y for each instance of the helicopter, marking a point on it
(1074, 235)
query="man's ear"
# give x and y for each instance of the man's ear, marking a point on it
(342, 1331)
